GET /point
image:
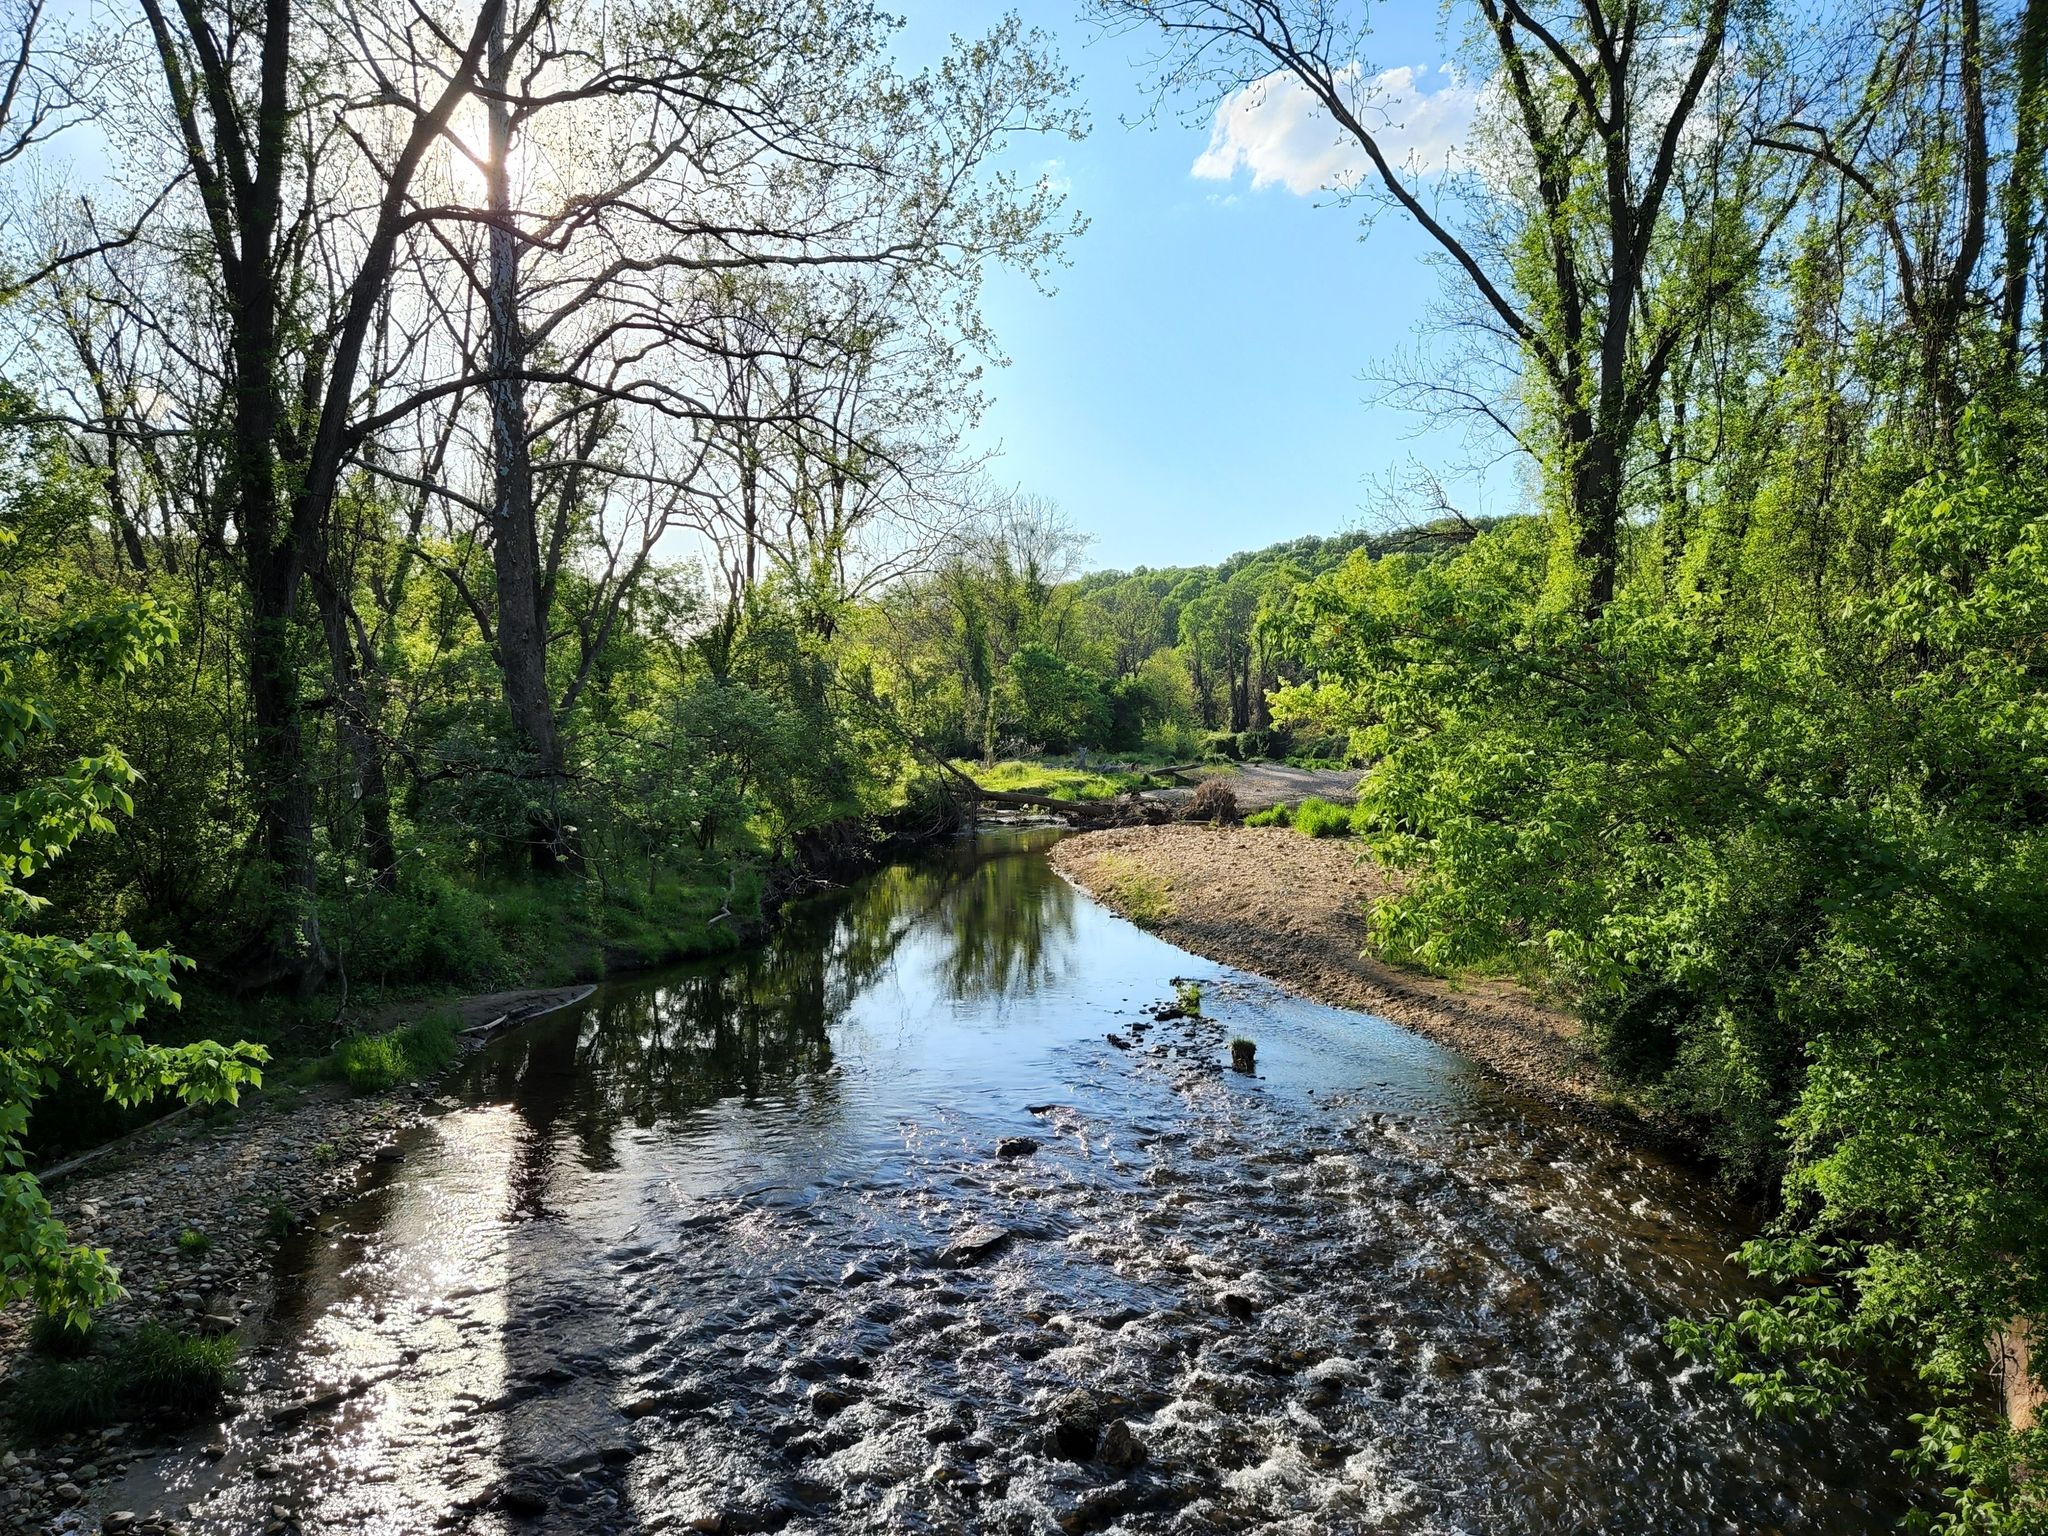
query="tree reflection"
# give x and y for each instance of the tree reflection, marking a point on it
(991, 912)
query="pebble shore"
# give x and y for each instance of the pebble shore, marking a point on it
(226, 1177)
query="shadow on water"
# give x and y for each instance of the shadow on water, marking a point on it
(730, 1248)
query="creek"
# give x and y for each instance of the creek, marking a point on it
(732, 1248)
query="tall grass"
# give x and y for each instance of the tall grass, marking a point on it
(1313, 817)
(374, 1063)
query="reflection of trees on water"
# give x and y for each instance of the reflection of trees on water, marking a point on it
(1008, 921)
(762, 1021)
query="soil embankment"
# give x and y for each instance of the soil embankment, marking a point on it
(1294, 909)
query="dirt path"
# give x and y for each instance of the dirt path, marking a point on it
(1293, 908)
(1259, 785)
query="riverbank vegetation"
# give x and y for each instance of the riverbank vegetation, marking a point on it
(436, 559)
(1739, 735)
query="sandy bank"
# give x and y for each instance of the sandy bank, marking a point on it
(1293, 908)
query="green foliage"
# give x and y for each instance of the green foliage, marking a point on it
(380, 1062)
(1188, 994)
(193, 1242)
(153, 1372)
(279, 1221)
(69, 1006)
(1056, 703)
(1779, 832)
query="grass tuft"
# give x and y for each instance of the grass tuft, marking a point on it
(1140, 895)
(375, 1063)
(176, 1375)
(154, 1372)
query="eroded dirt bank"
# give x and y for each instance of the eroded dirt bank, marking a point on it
(1294, 908)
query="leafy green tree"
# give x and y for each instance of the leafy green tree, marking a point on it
(69, 1007)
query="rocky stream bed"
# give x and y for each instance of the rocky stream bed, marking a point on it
(933, 1216)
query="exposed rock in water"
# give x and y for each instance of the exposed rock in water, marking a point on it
(1120, 1448)
(973, 1245)
(1016, 1146)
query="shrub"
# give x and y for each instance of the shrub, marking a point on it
(1261, 746)
(193, 1241)
(1271, 816)
(1189, 995)
(1220, 744)
(1213, 800)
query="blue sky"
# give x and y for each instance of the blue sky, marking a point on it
(1196, 384)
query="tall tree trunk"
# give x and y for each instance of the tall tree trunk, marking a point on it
(277, 758)
(515, 542)
(274, 554)
(353, 718)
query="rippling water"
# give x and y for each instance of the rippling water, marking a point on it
(731, 1249)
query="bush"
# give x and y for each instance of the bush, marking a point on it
(1174, 741)
(1220, 744)
(194, 1242)
(1213, 800)
(1319, 751)
(1262, 746)
(1271, 816)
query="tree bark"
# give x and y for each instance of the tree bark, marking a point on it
(353, 716)
(515, 541)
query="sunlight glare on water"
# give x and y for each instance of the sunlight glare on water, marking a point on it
(731, 1248)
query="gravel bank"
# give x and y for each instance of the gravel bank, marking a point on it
(1293, 908)
(229, 1177)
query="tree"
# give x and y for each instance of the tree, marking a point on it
(69, 1007)
(1559, 229)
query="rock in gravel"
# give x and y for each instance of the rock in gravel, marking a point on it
(973, 1245)
(1016, 1146)
(1238, 1305)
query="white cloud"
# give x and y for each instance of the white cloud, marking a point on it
(1278, 131)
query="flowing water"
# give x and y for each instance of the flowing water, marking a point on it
(732, 1248)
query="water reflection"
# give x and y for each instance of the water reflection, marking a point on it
(692, 1257)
